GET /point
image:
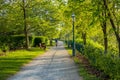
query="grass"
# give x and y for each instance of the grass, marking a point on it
(82, 70)
(13, 61)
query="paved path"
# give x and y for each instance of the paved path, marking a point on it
(55, 64)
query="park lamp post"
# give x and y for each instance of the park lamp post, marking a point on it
(73, 48)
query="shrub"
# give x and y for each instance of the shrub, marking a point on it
(39, 39)
(4, 40)
(108, 63)
(69, 43)
(18, 41)
(79, 45)
(13, 41)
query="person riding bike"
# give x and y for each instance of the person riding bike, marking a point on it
(56, 42)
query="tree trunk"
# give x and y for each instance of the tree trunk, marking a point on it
(84, 37)
(105, 37)
(104, 28)
(113, 26)
(119, 46)
(115, 31)
(25, 27)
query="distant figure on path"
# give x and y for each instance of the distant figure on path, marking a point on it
(56, 41)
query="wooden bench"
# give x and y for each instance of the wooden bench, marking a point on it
(42, 46)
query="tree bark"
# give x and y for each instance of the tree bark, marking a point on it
(84, 37)
(113, 25)
(115, 31)
(105, 37)
(25, 27)
(104, 28)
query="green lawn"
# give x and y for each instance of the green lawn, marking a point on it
(82, 70)
(13, 61)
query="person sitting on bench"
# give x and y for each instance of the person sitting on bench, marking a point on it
(42, 45)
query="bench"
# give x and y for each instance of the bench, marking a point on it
(2, 54)
(42, 46)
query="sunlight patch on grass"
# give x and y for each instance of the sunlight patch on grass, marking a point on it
(13, 61)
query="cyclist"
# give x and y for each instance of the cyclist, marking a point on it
(56, 41)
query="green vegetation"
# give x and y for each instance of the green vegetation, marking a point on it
(35, 18)
(39, 39)
(107, 63)
(97, 33)
(13, 61)
(97, 27)
(15, 42)
(83, 72)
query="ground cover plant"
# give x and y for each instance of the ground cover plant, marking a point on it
(105, 66)
(82, 69)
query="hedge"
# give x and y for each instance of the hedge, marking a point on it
(18, 41)
(108, 63)
(13, 41)
(4, 41)
(39, 39)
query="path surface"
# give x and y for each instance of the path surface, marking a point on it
(55, 64)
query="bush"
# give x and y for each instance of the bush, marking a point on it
(69, 43)
(18, 41)
(79, 45)
(13, 41)
(4, 40)
(39, 39)
(105, 62)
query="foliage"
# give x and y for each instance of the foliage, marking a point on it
(39, 39)
(18, 41)
(82, 71)
(95, 22)
(79, 45)
(13, 42)
(4, 40)
(41, 17)
(108, 63)
(99, 21)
